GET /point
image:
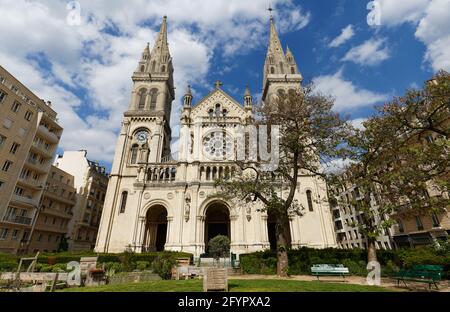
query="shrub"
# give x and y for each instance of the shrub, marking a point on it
(142, 265)
(8, 266)
(163, 264)
(219, 246)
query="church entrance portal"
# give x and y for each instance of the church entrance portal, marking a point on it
(217, 222)
(155, 229)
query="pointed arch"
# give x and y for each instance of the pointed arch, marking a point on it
(153, 98)
(141, 99)
(134, 154)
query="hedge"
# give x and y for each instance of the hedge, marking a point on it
(126, 262)
(301, 260)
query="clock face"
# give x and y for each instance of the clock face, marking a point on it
(142, 136)
(218, 146)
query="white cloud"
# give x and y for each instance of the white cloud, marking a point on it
(347, 95)
(101, 63)
(394, 12)
(371, 52)
(432, 18)
(358, 123)
(346, 34)
(336, 166)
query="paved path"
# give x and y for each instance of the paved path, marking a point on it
(358, 280)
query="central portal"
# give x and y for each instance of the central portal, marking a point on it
(217, 222)
(155, 229)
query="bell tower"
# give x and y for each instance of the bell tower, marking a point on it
(281, 73)
(151, 101)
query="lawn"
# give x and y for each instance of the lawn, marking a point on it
(234, 286)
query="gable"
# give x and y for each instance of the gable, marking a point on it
(234, 109)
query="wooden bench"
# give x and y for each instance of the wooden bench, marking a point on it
(428, 274)
(48, 281)
(329, 270)
(215, 279)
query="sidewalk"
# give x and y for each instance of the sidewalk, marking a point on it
(444, 286)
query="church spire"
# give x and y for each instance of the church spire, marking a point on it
(274, 41)
(161, 45)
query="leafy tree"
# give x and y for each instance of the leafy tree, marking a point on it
(402, 158)
(310, 134)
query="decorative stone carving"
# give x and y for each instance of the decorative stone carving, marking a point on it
(147, 196)
(248, 211)
(187, 206)
(170, 196)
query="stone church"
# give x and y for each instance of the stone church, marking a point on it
(155, 202)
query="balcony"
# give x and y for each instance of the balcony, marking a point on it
(39, 148)
(49, 135)
(25, 200)
(18, 219)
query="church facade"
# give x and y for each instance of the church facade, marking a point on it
(154, 202)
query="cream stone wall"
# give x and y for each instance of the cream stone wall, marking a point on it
(157, 195)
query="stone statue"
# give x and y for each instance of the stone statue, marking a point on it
(187, 206)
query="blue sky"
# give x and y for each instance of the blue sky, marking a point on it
(85, 69)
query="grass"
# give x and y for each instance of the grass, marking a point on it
(234, 286)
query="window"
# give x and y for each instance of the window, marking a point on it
(134, 153)
(28, 115)
(153, 66)
(1, 184)
(154, 98)
(15, 107)
(309, 198)
(2, 96)
(435, 220)
(272, 70)
(2, 140)
(14, 148)
(7, 165)
(15, 234)
(123, 202)
(142, 98)
(293, 70)
(142, 68)
(419, 223)
(163, 69)
(4, 233)
(19, 191)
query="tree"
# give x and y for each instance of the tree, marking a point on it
(219, 246)
(310, 134)
(402, 157)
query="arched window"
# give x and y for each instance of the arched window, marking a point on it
(142, 68)
(211, 113)
(281, 67)
(281, 92)
(134, 154)
(217, 111)
(153, 66)
(224, 113)
(142, 98)
(123, 202)
(153, 99)
(292, 70)
(272, 70)
(310, 202)
(163, 69)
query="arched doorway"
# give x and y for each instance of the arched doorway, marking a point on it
(271, 230)
(217, 222)
(155, 229)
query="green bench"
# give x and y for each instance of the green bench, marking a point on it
(329, 270)
(429, 274)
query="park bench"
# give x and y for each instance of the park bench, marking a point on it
(215, 279)
(44, 281)
(329, 270)
(428, 274)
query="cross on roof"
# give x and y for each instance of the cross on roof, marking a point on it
(218, 84)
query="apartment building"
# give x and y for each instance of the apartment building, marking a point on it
(56, 211)
(29, 136)
(91, 181)
(346, 218)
